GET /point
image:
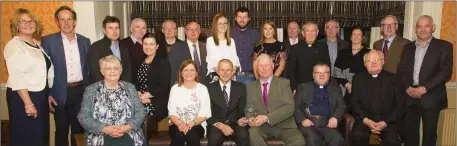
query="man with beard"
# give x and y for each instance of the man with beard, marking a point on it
(245, 41)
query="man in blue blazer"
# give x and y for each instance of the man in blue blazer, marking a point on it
(68, 52)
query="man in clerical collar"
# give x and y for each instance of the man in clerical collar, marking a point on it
(377, 101)
(319, 107)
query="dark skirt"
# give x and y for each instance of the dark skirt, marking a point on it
(26, 130)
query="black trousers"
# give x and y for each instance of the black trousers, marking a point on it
(192, 138)
(316, 135)
(217, 138)
(66, 116)
(429, 122)
(26, 130)
(361, 135)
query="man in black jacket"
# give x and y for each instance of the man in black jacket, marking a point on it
(228, 99)
(109, 45)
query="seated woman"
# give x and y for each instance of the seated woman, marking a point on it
(188, 107)
(111, 112)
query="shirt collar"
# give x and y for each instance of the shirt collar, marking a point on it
(190, 43)
(133, 39)
(115, 45)
(330, 41)
(428, 42)
(268, 81)
(319, 86)
(171, 42)
(229, 83)
(391, 38)
(65, 37)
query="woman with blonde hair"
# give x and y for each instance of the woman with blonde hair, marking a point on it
(31, 74)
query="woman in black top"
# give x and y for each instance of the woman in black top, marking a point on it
(269, 45)
(153, 79)
(350, 62)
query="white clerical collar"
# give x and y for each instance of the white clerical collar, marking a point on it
(375, 76)
(321, 87)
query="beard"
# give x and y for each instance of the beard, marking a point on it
(245, 26)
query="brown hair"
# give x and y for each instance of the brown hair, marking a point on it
(214, 30)
(14, 22)
(184, 64)
(262, 36)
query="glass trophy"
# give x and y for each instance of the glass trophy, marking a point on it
(251, 112)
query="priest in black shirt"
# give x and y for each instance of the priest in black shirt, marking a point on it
(378, 101)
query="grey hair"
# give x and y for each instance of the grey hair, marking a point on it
(373, 51)
(393, 17)
(326, 23)
(171, 21)
(109, 59)
(310, 23)
(137, 20)
(264, 56)
(224, 61)
(425, 17)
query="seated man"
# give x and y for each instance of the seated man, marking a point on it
(270, 107)
(319, 106)
(378, 102)
(228, 99)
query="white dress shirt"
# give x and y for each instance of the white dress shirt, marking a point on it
(219, 52)
(27, 66)
(72, 59)
(191, 50)
(292, 41)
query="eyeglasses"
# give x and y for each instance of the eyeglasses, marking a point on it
(373, 60)
(23, 22)
(112, 69)
(328, 27)
(321, 73)
(389, 25)
(193, 30)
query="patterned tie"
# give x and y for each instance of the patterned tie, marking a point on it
(225, 95)
(196, 58)
(385, 49)
(265, 95)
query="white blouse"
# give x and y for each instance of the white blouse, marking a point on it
(188, 104)
(223, 51)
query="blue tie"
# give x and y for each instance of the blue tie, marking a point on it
(196, 58)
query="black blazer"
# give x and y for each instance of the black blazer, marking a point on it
(435, 71)
(302, 60)
(237, 101)
(180, 52)
(158, 81)
(391, 102)
(100, 49)
(304, 97)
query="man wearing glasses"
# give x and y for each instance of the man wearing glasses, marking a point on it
(391, 44)
(377, 99)
(334, 44)
(170, 31)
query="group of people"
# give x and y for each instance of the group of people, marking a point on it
(242, 83)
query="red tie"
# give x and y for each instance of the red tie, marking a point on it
(385, 49)
(265, 95)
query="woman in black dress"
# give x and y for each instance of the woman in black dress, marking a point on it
(350, 62)
(153, 82)
(269, 45)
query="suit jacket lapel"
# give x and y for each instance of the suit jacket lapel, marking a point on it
(60, 51)
(82, 52)
(331, 98)
(259, 92)
(430, 53)
(221, 100)
(202, 48)
(233, 98)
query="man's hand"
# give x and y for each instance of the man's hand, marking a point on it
(294, 91)
(370, 123)
(411, 92)
(420, 91)
(380, 126)
(50, 102)
(307, 123)
(332, 123)
(227, 130)
(242, 122)
(259, 120)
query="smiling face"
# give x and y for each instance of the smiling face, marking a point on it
(192, 31)
(189, 73)
(222, 25)
(26, 26)
(111, 71)
(242, 19)
(321, 74)
(389, 27)
(310, 32)
(293, 30)
(112, 31)
(356, 36)
(268, 31)
(138, 29)
(169, 29)
(225, 71)
(374, 62)
(150, 46)
(424, 29)
(65, 22)
(332, 29)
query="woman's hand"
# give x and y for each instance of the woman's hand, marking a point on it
(349, 87)
(145, 98)
(30, 110)
(183, 128)
(112, 131)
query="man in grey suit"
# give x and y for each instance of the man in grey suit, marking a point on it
(319, 106)
(270, 110)
(189, 49)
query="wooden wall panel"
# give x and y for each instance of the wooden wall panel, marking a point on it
(448, 28)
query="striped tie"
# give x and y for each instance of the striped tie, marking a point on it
(225, 95)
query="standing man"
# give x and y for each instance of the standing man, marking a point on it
(109, 45)
(293, 30)
(270, 103)
(189, 49)
(67, 51)
(425, 67)
(133, 44)
(334, 44)
(391, 45)
(228, 99)
(304, 55)
(319, 107)
(170, 31)
(245, 40)
(378, 101)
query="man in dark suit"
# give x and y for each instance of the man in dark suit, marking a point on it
(228, 99)
(109, 45)
(319, 106)
(67, 51)
(293, 31)
(425, 67)
(133, 44)
(391, 45)
(189, 49)
(270, 107)
(170, 31)
(334, 44)
(304, 55)
(378, 101)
